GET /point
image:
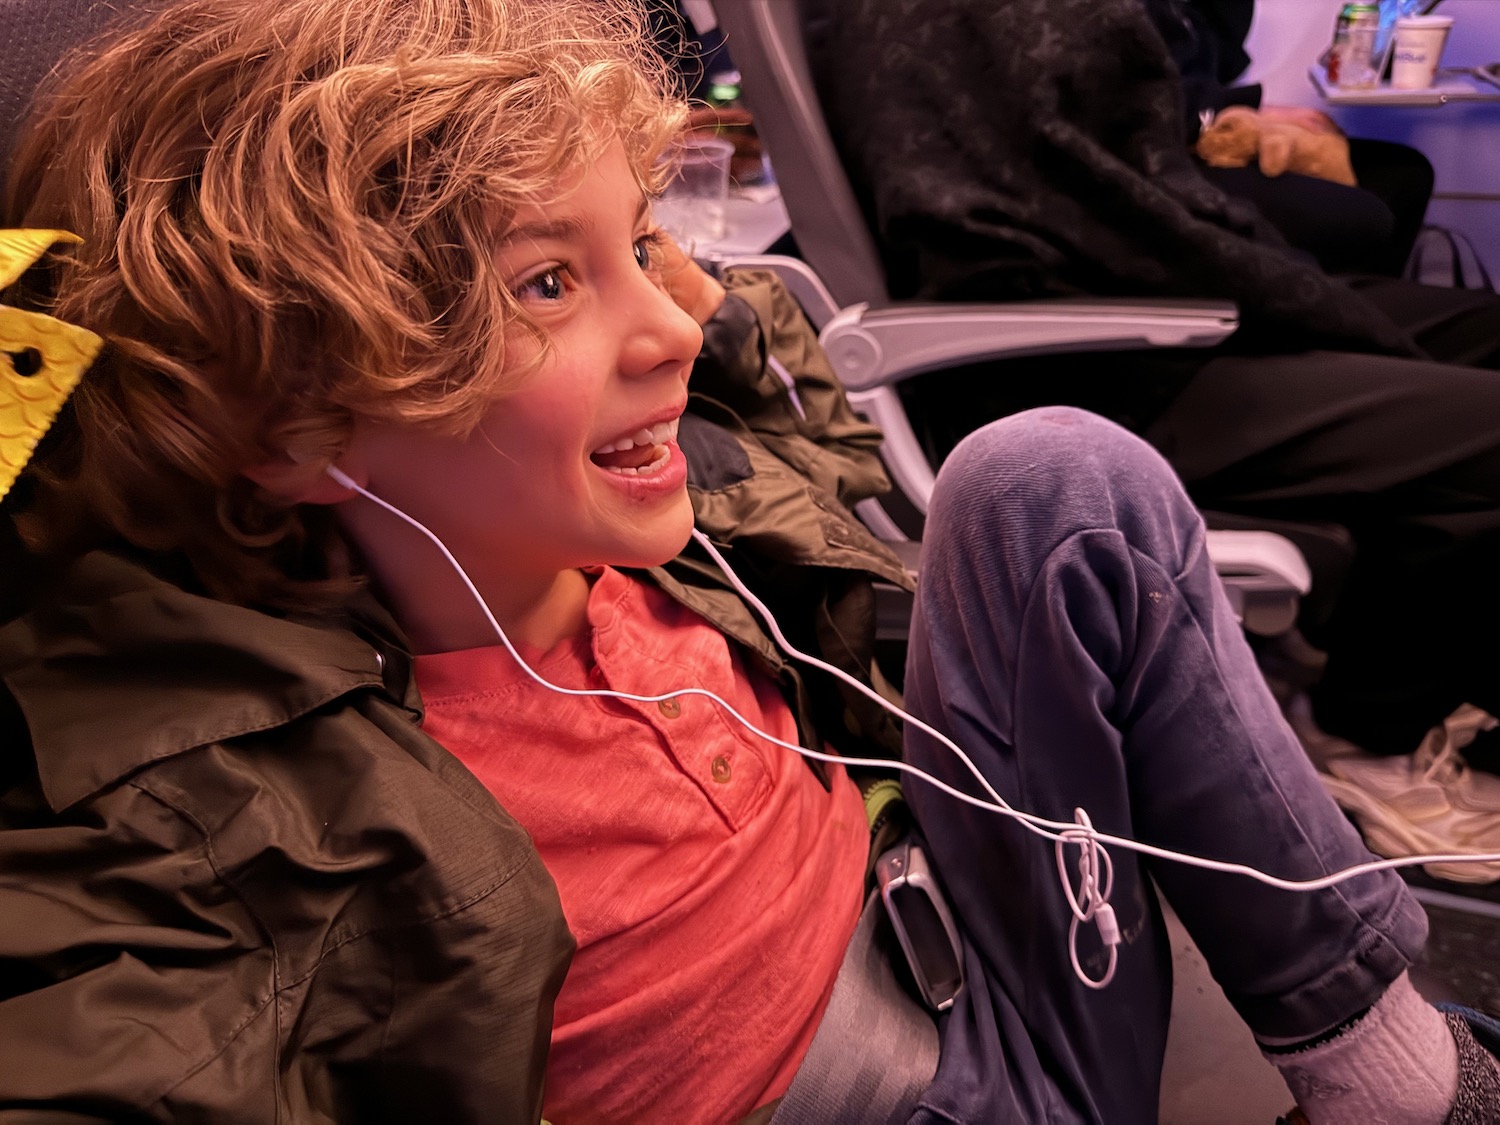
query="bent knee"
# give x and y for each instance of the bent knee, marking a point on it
(1032, 479)
(1050, 443)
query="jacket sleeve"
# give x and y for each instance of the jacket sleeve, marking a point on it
(761, 358)
(148, 972)
(466, 1033)
(419, 940)
(120, 973)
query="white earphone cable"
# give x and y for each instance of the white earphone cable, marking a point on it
(1096, 870)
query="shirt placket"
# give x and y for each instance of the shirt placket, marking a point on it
(728, 774)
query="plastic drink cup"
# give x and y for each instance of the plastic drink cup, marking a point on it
(1419, 49)
(1357, 62)
(691, 207)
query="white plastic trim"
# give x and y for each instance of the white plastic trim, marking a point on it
(878, 520)
(877, 347)
(902, 453)
(1259, 560)
(803, 284)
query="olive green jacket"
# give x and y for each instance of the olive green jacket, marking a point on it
(776, 462)
(239, 883)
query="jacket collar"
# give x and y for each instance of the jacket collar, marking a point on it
(117, 668)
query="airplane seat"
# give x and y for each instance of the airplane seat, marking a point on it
(876, 343)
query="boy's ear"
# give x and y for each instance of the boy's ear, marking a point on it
(300, 480)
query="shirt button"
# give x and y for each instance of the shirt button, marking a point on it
(720, 768)
(670, 708)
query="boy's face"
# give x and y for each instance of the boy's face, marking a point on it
(579, 465)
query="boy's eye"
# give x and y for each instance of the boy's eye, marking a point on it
(545, 286)
(646, 250)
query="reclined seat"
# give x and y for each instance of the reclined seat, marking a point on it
(875, 343)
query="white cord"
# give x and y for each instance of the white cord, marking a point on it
(1096, 869)
(1091, 904)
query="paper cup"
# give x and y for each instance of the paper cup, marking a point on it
(1419, 48)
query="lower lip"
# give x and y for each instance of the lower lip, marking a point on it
(669, 480)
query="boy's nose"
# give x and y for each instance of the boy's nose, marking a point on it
(659, 332)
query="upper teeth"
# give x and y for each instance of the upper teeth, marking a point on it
(659, 434)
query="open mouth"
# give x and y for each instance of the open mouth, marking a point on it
(638, 454)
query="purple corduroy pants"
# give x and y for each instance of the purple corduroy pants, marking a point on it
(1071, 634)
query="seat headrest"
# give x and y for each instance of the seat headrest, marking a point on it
(37, 35)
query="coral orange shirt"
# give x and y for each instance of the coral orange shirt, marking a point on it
(710, 879)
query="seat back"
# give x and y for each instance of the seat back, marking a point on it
(38, 34)
(766, 39)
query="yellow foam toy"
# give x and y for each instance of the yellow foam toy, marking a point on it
(43, 357)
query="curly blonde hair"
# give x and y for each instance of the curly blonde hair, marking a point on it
(289, 211)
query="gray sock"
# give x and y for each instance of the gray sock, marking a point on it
(1397, 1064)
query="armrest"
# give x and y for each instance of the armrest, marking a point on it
(1259, 558)
(805, 286)
(872, 347)
(1265, 577)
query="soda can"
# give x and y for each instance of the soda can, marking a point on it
(1358, 66)
(1337, 46)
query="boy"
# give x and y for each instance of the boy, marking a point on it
(410, 241)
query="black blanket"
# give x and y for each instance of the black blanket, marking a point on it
(1010, 149)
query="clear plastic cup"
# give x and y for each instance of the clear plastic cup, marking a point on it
(691, 206)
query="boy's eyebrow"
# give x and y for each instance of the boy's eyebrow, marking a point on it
(559, 229)
(544, 229)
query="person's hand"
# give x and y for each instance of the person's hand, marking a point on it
(694, 291)
(1313, 120)
(714, 117)
(734, 125)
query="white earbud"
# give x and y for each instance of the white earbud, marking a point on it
(339, 475)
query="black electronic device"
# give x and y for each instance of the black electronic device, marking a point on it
(922, 922)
